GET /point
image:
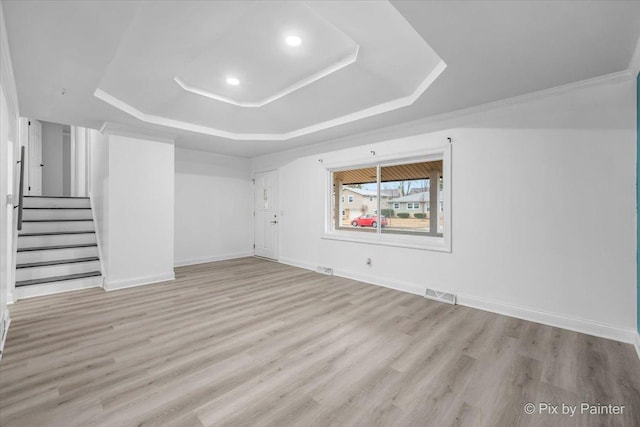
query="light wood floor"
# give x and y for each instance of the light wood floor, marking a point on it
(250, 342)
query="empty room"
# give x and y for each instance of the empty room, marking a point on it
(319, 213)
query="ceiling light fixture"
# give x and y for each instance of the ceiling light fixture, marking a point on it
(233, 81)
(293, 41)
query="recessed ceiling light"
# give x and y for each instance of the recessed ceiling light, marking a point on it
(233, 81)
(294, 41)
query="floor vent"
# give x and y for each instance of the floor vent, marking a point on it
(440, 296)
(325, 270)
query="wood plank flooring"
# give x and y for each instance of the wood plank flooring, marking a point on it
(249, 342)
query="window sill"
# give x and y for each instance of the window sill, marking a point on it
(426, 243)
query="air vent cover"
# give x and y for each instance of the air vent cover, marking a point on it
(325, 270)
(440, 296)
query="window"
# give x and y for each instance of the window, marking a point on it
(351, 199)
(342, 199)
(405, 198)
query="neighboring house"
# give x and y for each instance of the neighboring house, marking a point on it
(357, 201)
(413, 203)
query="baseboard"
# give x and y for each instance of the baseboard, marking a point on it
(138, 281)
(576, 324)
(43, 289)
(296, 263)
(391, 284)
(396, 285)
(97, 232)
(571, 323)
(6, 321)
(203, 260)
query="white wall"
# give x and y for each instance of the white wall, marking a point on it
(543, 210)
(140, 226)
(8, 156)
(52, 159)
(66, 161)
(213, 195)
(99, 192)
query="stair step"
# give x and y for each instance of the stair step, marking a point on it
(46, 248)
(56, 270)
(56, 220)
(29, 214)
(56, 227)
(59, 239)
(55, 202)
(56, 233)
(56, 207)
(44, 255)
(56, 262)
(57, 278)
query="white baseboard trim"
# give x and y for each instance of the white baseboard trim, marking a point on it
(214, 258)
(296, 263)
(571, 323)
(97, 231)
(6, 321)
(378, 281)
(576, 324)
(138, 281)
(391, 284)
(43, 289)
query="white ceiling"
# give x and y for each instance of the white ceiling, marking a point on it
(361, 66)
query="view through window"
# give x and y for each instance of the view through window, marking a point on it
(390, 199)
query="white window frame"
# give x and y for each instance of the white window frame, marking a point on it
(425, 242)
(351, 199)
(396, 206)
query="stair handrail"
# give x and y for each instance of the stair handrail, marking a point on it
(21, 188)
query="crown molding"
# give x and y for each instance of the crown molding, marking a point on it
(634, 63)
(109, 128)
(191, 127)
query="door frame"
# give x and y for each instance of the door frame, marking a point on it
(253, 222)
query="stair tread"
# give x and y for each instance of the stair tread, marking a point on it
(44, 248)
(56, 233)
(57, 220)
(57, 262)
(56, 207)
(55, 197)
(58, 278)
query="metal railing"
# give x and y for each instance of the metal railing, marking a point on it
(21, 188)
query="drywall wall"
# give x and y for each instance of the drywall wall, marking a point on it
(99, 191)
(213, 207)
(66, 160)
(140, 232)
(52, 159)
(8, 155)
(543, 210)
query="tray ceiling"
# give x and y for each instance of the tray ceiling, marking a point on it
(174, 64)
(130, 52)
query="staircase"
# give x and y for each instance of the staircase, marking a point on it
(57, 248)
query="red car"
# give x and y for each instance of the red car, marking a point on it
(369, 220)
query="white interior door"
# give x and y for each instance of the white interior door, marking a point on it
(266, 214)
(34, 184)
